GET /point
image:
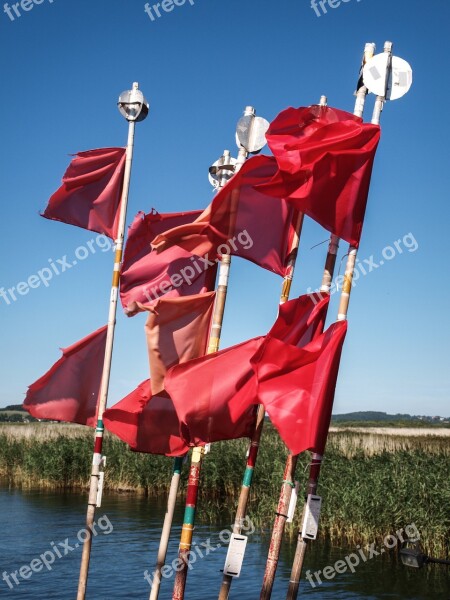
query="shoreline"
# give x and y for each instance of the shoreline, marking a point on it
(372, 484)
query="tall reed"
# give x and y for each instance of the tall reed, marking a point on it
(372, 484)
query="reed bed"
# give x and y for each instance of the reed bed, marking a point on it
(377, 440)
(372, 483)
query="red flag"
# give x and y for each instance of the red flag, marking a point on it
(91, 191)
(240, 221)
(69, 391)
(147, 423)
(325, 157)
(202, 389)
(177, 330)
(147, 275)
(296, 387)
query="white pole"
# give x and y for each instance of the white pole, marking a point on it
(97, 460)
(379, 102)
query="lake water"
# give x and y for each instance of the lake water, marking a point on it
(126, 544)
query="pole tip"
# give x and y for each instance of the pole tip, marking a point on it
(323, 101)
(370, 47)
(249, 111)
(135, 85)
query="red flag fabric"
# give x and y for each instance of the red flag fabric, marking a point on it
(69, 390)
(201, 389)
(177, 330)
(325, 158)
(296, 387)
(146, 422)
(240, 221)
(147, 275)
(91, 191)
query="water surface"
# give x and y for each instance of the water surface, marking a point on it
(126, 545)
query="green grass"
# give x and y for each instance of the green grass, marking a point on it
(372, 484)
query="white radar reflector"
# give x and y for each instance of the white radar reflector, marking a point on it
(251, 133)
(374, 76)
(222, 169)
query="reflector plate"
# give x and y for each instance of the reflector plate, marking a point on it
(374, 76)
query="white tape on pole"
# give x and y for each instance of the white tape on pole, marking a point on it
(101, 479)
(235, 555)
(311, 517)
(293, 503)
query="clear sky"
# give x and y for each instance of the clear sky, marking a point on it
(63, 66)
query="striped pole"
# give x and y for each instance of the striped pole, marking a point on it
(178, 462)
(281, 513)
(255, 441)
(187, 530)
(198, 453)
(316, 459)
(97, 461)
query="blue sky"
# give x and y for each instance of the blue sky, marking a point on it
(64, 64)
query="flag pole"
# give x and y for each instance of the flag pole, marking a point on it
(167, 527)
(291, 463)
(260, 416)
(281, 514)
(214, 342)
(133, 107)
(225, 174)
(198, 452)
(316, 459)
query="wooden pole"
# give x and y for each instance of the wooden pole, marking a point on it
(281, 515)
(316, 462)
(167, 527)
(97, 460)
(175, 483)
(198, 453)
(316, 459)
(255, 441)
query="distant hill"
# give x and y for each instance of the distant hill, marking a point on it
(382, 418)
(14, 413)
